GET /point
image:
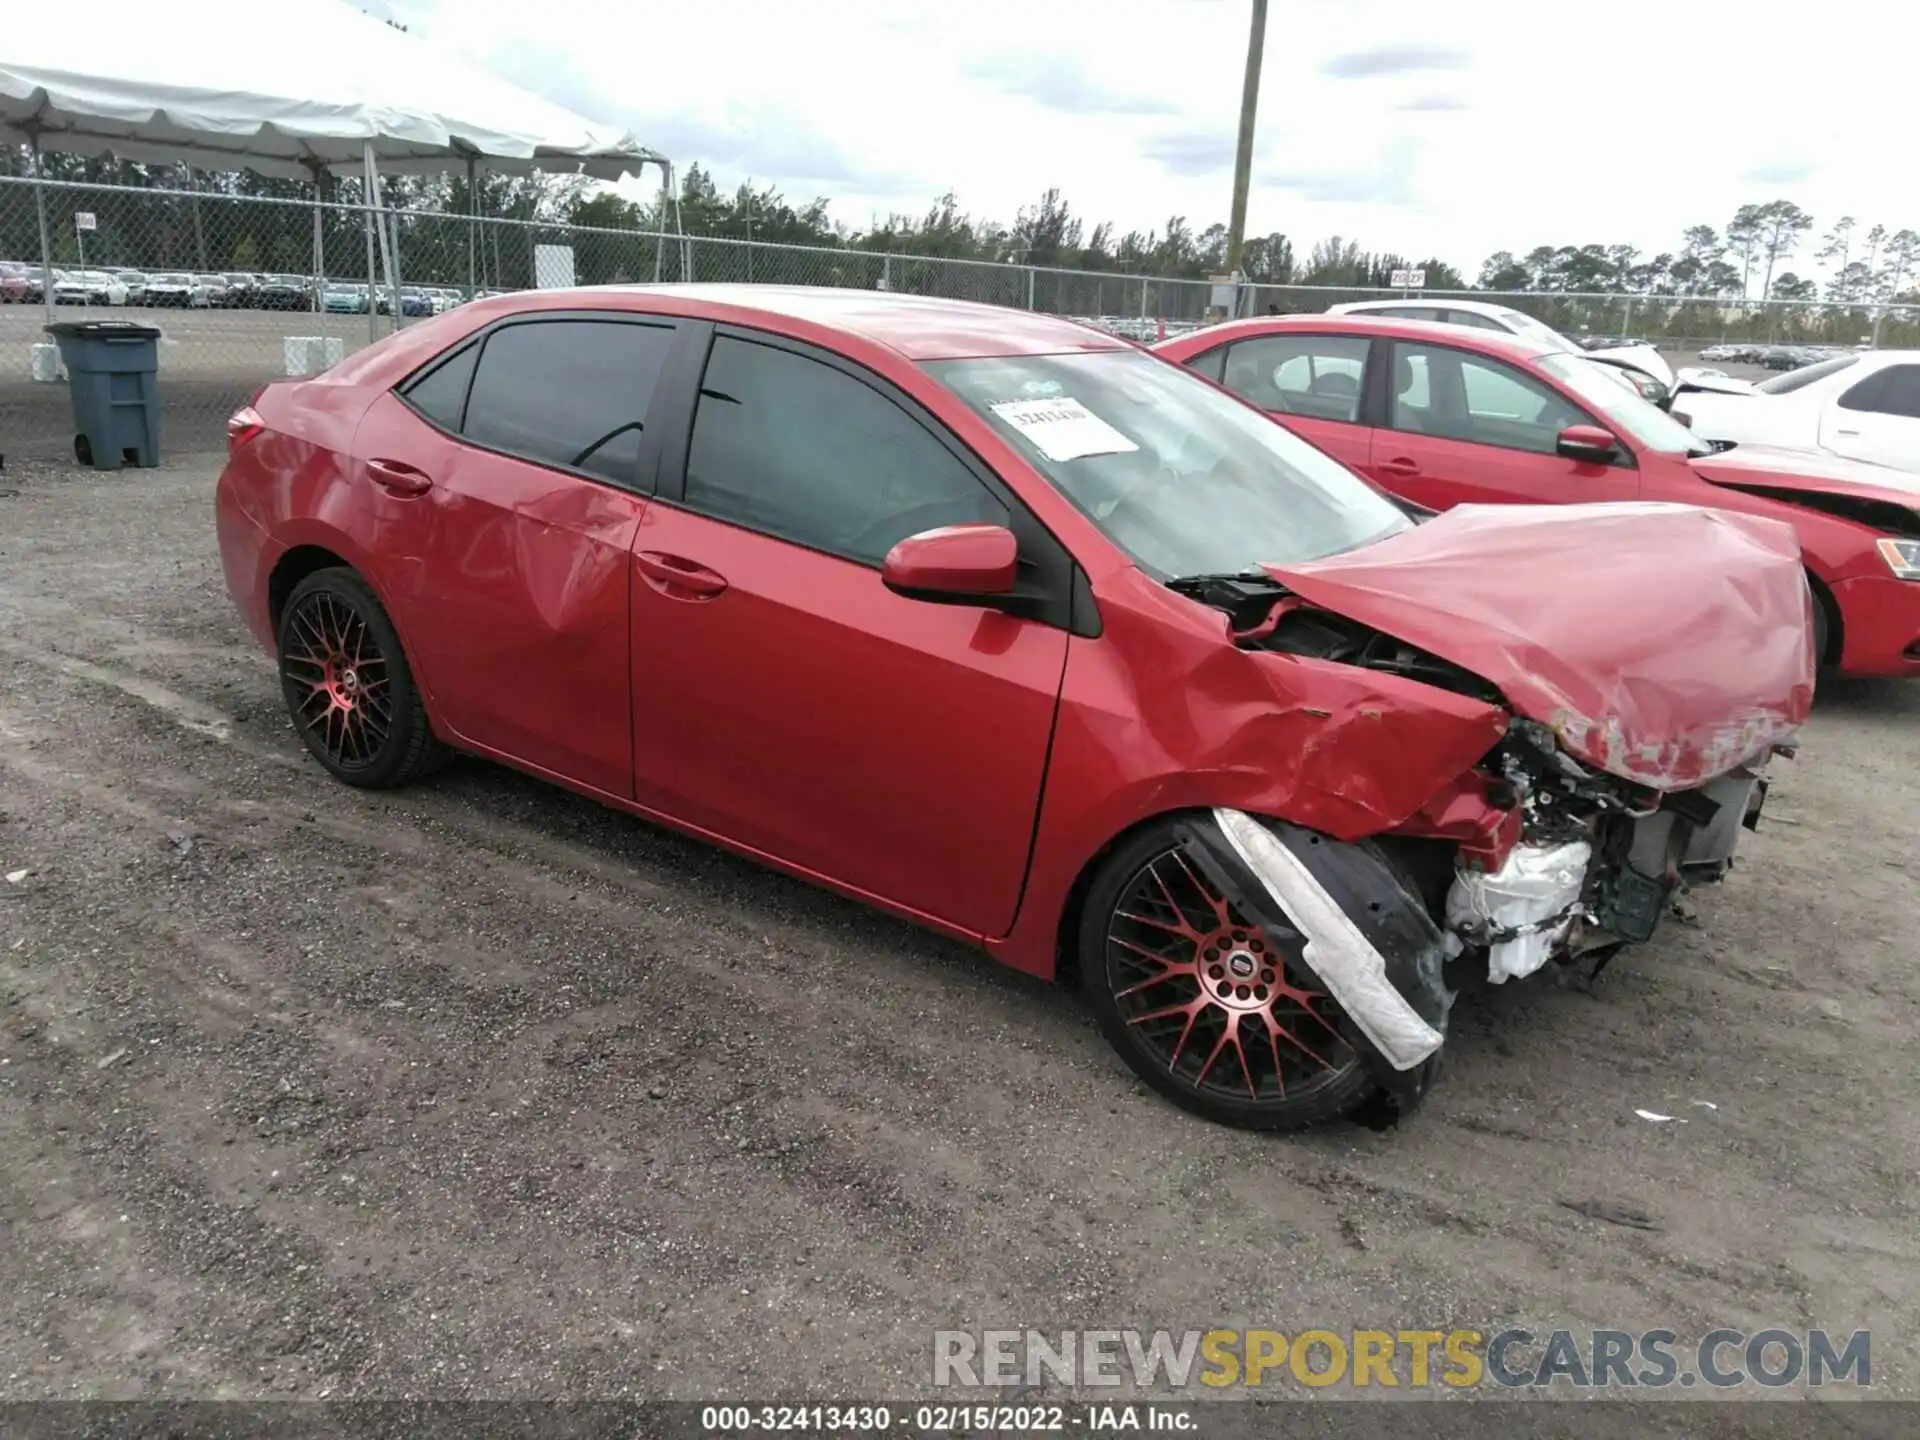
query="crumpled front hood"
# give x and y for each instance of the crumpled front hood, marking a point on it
(1664, 644)
(1776, 467)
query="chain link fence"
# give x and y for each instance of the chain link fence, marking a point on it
(240, 285)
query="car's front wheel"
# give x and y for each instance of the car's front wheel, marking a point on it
(1201, 1002)
(347, 684)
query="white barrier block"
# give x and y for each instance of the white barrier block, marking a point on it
(297, 350)
(45, 362)
(332, 351)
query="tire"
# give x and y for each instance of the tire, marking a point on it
(370, 731)
(1151, 906)
(1822, 631)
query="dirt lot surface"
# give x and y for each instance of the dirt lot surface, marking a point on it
(478, 1088)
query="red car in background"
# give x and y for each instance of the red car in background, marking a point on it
(1445, 416)
(1019, 632)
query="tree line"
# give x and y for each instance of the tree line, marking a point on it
(1765, 251)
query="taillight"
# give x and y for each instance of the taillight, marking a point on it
(242, 426)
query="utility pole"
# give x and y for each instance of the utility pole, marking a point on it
(1243, 156)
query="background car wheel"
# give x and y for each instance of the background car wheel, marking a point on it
(1202, 1005)
(347, 685)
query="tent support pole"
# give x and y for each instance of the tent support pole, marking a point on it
(373, 309)
(40, 210)
(378, 214)
(319, 241)
(473, 226)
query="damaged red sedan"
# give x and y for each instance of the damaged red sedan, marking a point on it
(1445, 415)
(1021, 633)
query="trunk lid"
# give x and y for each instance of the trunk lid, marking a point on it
(1664, 644)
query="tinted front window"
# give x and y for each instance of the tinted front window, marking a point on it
(1893, 391)
(1317, 376)
(1475, 320)
(572, 393)
(1622, 407)
(793, 447)
(1183, 478)
(1462, 396)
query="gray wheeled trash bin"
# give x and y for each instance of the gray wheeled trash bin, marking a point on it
(110, 375)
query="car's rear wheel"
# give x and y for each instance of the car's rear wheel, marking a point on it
(347, 684)
(1201, 1003)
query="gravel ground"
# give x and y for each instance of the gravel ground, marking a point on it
(480, 1089)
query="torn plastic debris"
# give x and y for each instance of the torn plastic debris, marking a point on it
(1338, 950)
(1524, 909)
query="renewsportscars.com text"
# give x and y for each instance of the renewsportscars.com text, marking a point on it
(1402, 1359)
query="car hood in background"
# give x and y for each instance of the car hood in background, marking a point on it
(1664, 644)
(1698, 380)
(1641, 357)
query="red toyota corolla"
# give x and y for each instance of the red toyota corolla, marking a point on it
(1445, 415)
(1024, 634)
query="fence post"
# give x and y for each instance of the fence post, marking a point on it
(1030, 274)
(886, 272)
(1143, 297)
(1626, 325)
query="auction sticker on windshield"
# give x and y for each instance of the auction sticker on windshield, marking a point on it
(1063, 428)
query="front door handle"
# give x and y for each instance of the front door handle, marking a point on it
(397, 477)
(1399, 466)
(1850, 434)
(677, 577)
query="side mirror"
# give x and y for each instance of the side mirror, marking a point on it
(1587, 442)
(955, 564)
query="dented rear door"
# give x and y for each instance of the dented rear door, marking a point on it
(506, 495)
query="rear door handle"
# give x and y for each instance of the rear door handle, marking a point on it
(1399, 466)
(398, 478)
(1850, 434)
(678, 577)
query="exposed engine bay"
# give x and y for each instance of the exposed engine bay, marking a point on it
(1595, 860)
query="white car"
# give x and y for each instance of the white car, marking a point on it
(1639, 363)
(1864, 407)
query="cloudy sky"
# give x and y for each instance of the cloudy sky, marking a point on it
(1450, 129)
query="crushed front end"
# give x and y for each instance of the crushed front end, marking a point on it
(1595, 861)
(1538, 853)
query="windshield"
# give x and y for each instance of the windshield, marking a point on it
(1534, 330)
(1791, 381)
(1182, 477)
(1621, 405)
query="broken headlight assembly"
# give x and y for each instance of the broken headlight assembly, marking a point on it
(1902, 557)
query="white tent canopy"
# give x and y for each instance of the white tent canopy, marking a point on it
(285, 88)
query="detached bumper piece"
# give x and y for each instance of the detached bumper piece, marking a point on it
(1367, 936)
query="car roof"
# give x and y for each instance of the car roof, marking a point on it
(1461, 337)
(1447, 302)
(917, 327)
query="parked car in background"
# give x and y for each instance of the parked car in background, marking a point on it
(286, 292)
(1640, 363)
(1075, 657)
(1862, 405)
(209, 292)
(21, 281)
(240, 289)
(87, 287)
(1443, 415)
(169, 289)
(345, 299)
(135, 282)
